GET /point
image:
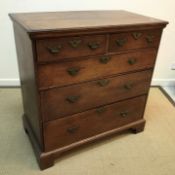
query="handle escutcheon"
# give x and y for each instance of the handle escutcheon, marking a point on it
(73, 71)
(100, 110)
(150, 39)
(128, 86)
(136, 35)
(121, 42)
(93, 45)
(132, 61)
(124, 114)
(72, 129)
(104, 59)
(103, 83)
(55, 49)
(73, 98)
(75, 43)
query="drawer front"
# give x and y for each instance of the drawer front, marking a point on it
(66, 73)
(70, 47)
(80, 126)
(60, 102)
(134, 40)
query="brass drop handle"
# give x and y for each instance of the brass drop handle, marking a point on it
(124, 114)
(128, 86)
(136, 35)
(75, 43)
(93, 45)
(73, 98)
(103, 83)
(100, 110)
(104, 59)
(72, 129)
(73, 71)
(132, 61)
(54, 49)
(149, 39)
(121, 42)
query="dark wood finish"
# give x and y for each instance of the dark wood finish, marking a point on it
(28, 82)
(59, 133)
(54, 102)
(84, 76)
(101, 66)
(61, 48)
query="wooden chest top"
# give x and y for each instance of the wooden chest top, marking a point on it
(78, 20)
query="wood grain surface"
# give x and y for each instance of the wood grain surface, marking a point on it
(45, 21)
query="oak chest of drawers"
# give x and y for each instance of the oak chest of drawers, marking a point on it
(84, 75)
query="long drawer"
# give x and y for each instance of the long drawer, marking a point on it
(80, 126)
(65, 101)
(70, 72)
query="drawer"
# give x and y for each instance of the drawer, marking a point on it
(63, 132)
(60, 102)
(70, 47)
(134, 40)
(66, 73)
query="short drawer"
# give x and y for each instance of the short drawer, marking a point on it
(95, 67)
(61, 102)
(70, 47)
(63, 132)
(134, 40)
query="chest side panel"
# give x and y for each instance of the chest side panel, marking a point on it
(28, 82)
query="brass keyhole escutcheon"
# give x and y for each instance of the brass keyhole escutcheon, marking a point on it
(72, 129)
(93, 45)
(132, 61)
(136, 35)
(124, 114)
(73, 98)
(103, 83)
(121, 42)
(128, 86)
(104, 59)
(73, 71)
(75, 43)
(100, 110)
(54, 49)
(150, 39)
